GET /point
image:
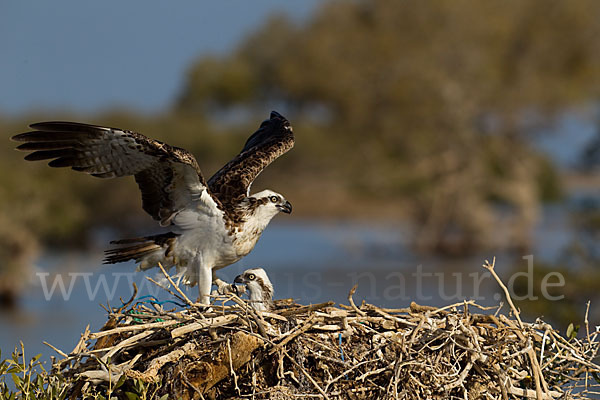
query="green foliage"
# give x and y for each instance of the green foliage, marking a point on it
(572, 331)
(22, 379)
(29, 379)
(548, 182)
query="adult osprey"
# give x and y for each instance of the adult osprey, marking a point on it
(213, 224)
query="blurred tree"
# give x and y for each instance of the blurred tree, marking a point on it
(421, 110)
(425, 104)
(18, 250)
(590, 157)
(578, 264)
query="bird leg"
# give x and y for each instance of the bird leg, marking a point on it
(204, 284)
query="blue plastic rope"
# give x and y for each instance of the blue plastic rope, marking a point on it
(342, 350)
(160, 303)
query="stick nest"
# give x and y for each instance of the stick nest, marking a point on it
(327, 351)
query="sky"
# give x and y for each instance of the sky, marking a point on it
(88, 56)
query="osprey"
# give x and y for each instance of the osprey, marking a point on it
(260, 289)
(212, 223)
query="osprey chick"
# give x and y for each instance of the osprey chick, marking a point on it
(212, 223)
(260, 289)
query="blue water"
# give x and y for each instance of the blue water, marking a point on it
(309, 261)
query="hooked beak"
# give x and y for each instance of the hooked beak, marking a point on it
(285, 207)
(238, 279)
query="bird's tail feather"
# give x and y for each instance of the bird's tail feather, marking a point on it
(139, 247)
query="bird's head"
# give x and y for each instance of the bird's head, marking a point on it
(270, 203)
(259, 287)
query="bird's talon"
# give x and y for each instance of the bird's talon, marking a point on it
(203, 308)
(239, 289)
(226, 289)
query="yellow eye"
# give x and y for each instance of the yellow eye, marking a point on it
(251, 277)
(274, 199)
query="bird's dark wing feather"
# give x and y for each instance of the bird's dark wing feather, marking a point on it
(168, 177)
(232, 182)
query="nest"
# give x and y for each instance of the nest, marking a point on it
(461, 351)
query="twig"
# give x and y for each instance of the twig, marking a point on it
(306, 325)
(490, 267)
(249, 310)
(184, 297)
(351, 301)
(306, 309)
(543, 347)
(345, 373)
(204, 324)
(160, 285)
(310, 378)
(231, 370)
(125, 343)
(131, 299)
(130, 328)
(62, 353)
(587, 323)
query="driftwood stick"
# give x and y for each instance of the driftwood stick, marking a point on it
(306, 309)
(204, 324)
(125, 343)
(131, 328)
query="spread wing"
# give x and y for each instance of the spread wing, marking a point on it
(168, 177)
(232, 183)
